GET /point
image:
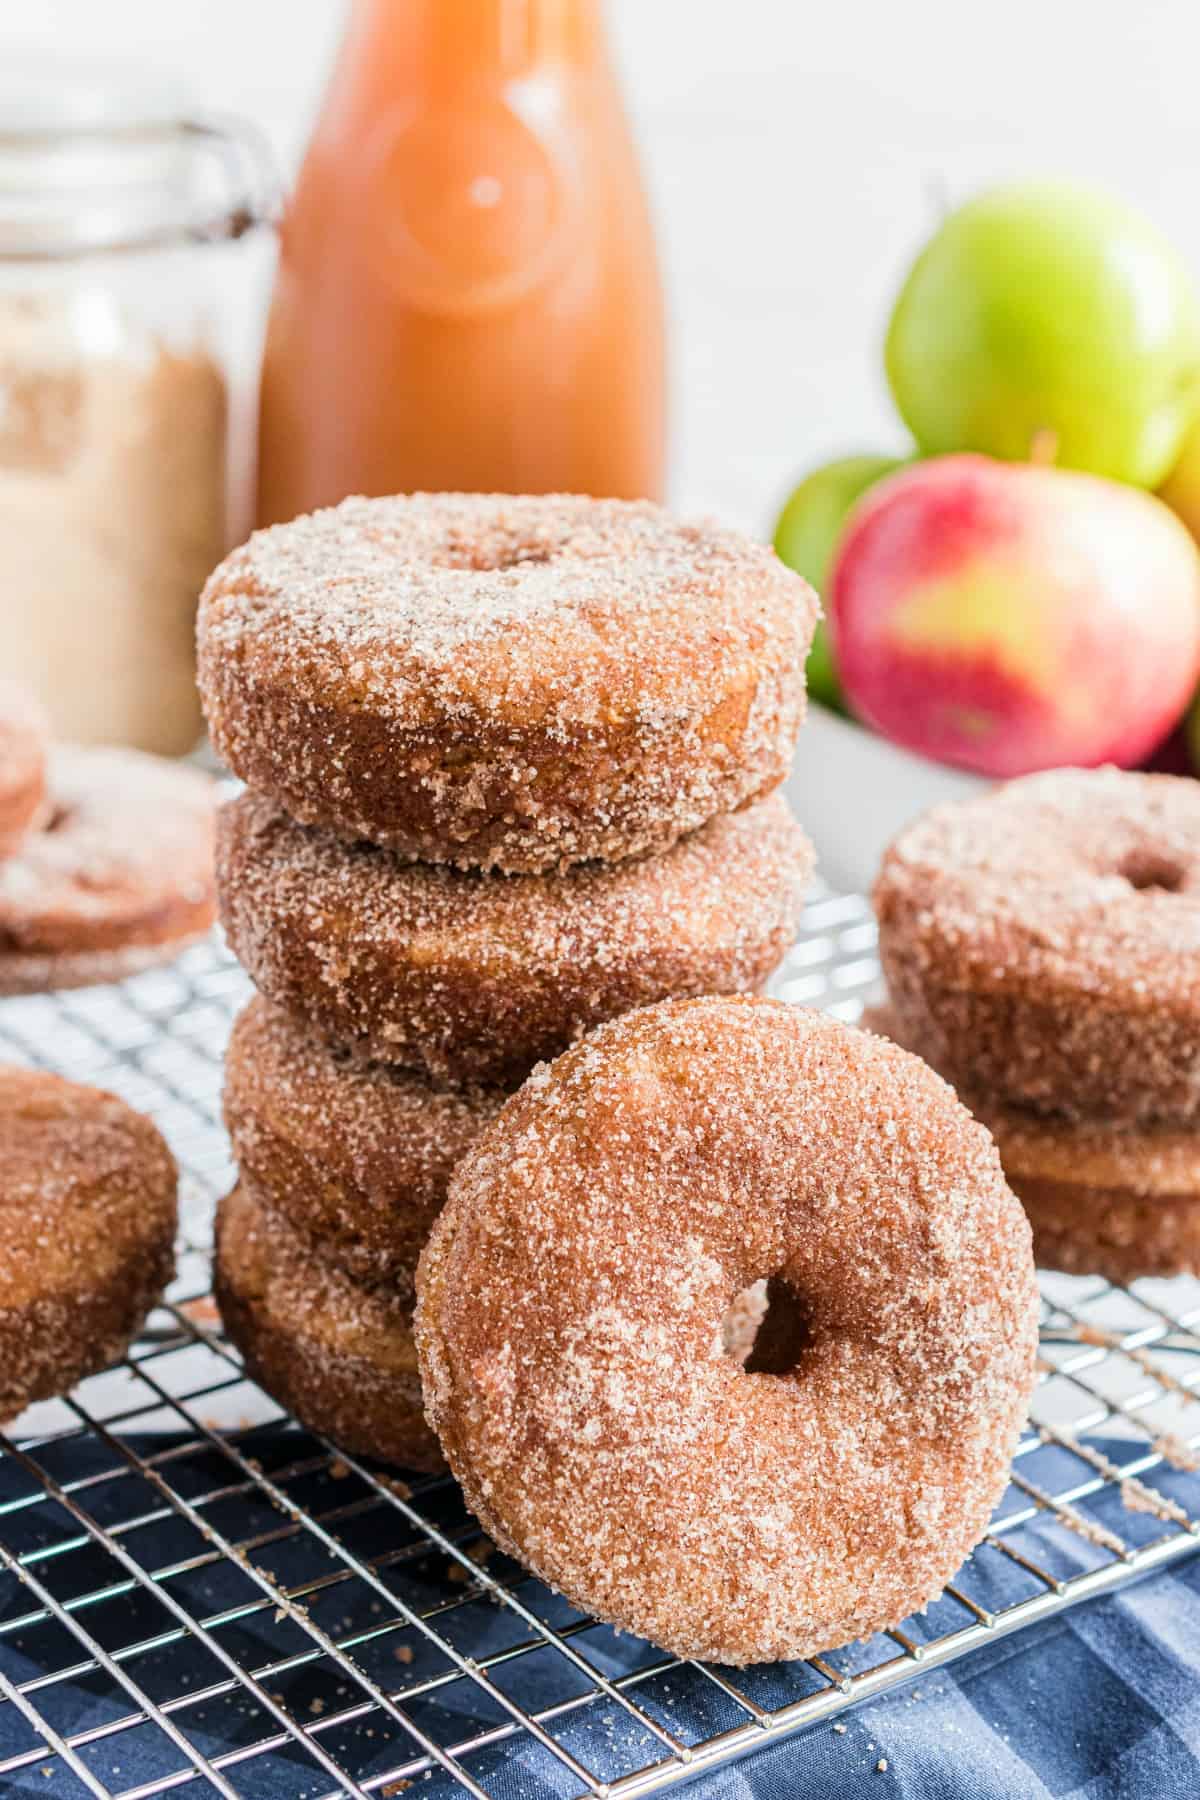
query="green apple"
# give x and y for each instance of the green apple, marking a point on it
(1181, 489)
(806, 539)
(1051, 321)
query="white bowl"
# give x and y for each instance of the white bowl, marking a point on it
(853, 791)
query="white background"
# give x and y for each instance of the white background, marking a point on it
(796, 151)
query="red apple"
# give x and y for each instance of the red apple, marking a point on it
(1007, 617)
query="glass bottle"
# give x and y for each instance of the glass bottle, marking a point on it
(468, 294)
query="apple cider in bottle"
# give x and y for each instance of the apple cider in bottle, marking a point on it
(468, 293)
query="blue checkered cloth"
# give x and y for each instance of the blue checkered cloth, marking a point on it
(1099, 1703)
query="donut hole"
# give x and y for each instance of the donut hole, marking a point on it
(494, 553)
(1151, 871)
(766, 1327)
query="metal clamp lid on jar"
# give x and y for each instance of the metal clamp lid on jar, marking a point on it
(101, 161)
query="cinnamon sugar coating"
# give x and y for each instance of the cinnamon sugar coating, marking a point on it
(505, 682)
(357, 1155)
(569, 1325)
(476, 977)
(337, 1355)
(119, 874)
(1114, 1232)
(87, 1228)
(1042, 943)
(24, 734)
(1107, 1199)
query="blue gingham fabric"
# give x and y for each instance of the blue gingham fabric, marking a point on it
(1100, 1703)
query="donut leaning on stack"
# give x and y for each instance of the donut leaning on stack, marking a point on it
(575, 1290)
(1041, 946)
(509, 767)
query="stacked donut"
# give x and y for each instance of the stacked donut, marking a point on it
(509, 767)
(1042, 951)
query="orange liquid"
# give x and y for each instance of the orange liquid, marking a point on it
(468, 294)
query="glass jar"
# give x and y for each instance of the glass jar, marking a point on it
(126, 381)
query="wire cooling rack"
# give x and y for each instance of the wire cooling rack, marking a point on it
(198, 1595)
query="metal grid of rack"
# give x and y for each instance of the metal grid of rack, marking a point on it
(194, 1587)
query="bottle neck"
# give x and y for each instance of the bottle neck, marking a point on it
(506, 38)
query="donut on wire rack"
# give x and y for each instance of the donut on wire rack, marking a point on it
(1041, 944)
(117, 875)
(87, 1229)
(1117, 1200)
(571, 1328)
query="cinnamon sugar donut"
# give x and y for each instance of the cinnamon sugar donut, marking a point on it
(1112, 1200)
(24, 734)
(355, 1154)
(569, 1326)
(475, 976)
(500, 682)
(1042, 943)
(337, 1355)
(1103, 1200)
(117, 877)
(87, 1226)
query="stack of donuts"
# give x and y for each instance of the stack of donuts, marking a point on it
(1042, 950)
(509, 769)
